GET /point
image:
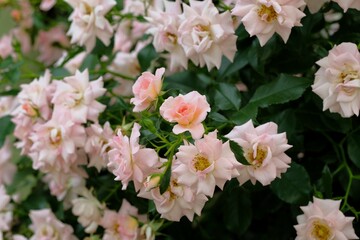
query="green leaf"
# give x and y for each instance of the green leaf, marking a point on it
(217, 117)
(354, 148)
(22, 184)
(6, 128)
(89, 62)
(294, 186)
(145, 56)
(239, 153)
(165, 180)
(237, 211)
(227, 68)
(227, 97)
(325, 182)
(244, 114)
(284, 89)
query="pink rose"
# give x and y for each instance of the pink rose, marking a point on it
(188, 111)
(146, 89)
(322, 219)
(264, 149)
(337, 81)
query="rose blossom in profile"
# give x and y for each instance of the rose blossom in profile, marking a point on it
(206, 164)
(322, 219)
(346, 4)
(264, 150)
(206, 34)
(45, 225)
(146, 89)
(337, 81)
(88, 22)
(123, 224)
(265, 17)
(188, 111)
(128, 161)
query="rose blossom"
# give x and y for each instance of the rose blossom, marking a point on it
(128, 161)
(88, 22)
(205, 164)
(146, 89)
(75, 98)
(6, 48)
(346, 4)
(45, 225)
(265, 17)
(188, 111)
(46, 5)
(97, 144)
(88, 209)
(7, 168)
(6, 214)
(206, 35)
(337, 81)
(47, 41)
(7, 105)
(263, 149)
(164, 27)
(322, 219)
(55, 145)
(122, 225)
(314, 6)
(177, 201)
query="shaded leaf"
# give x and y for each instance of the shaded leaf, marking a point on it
(239, 153)
(227, 97)
(354, 148)
(294, 186)
(6, 128)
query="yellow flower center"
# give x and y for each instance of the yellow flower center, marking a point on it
(320, 230)
(346, 76)
(267, 14)
(200, 162)
(172, 37)
(257, 160)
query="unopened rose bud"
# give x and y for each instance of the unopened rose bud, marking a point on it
(151, 182)
(16, 15)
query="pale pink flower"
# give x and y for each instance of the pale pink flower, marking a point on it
(75, 63)
(66, 186)
(88, 22)
(206, 164)
(126, 64)
(45, 225)
(128, 33)
(337, 81)
(51, 43)
(25, 15)
(24, 38)
(177, 201)
(322, 219)
(164, 27)
(206, 35)
(128, 161)
(122, 225)
(346, 4)
(188, 111)
(34, 98)
(88, 210)
(265, 17)
(46, 5)
(19, 237)
(75, 98)
(7, 105)
(263, 149)
(6, 215)
(146, 89)
(314, 6)
(7, 168)
(97, 145)
(55, 145)
(6, 48)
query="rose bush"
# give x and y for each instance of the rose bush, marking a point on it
(158, 119)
